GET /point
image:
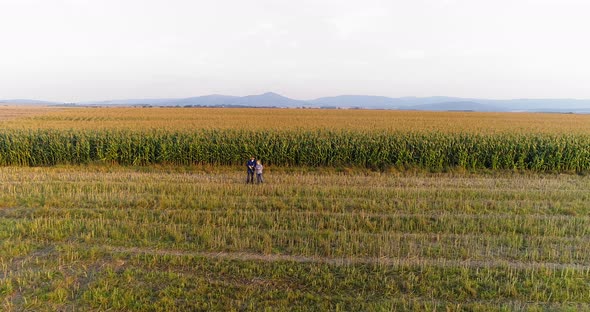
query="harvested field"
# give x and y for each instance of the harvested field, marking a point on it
(149, 238)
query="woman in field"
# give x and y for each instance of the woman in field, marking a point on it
(259, 168)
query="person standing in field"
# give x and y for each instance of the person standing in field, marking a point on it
(259, 168)
(251, 165)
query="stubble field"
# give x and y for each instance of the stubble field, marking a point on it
(178, 237)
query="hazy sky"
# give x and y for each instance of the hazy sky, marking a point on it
(75, 50)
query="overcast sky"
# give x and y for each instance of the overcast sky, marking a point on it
(75, 50)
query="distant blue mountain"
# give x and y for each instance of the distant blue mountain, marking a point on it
(459, 106)
(130, 102)
(434, 103)
(365, 101)
(443, 103)
(206, 100)
(570, 105)
(382, 102)
(269, 99)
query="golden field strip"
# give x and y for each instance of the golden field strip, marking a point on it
(188, 238)
(9, 112)
(189, 119)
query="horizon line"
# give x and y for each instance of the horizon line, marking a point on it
(8, 101)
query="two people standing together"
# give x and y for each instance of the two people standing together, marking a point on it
(254, 166)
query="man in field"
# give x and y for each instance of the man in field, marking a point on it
(251, 164)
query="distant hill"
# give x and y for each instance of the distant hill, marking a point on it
(271, 99)
(365, 101)
(206, 100)
(380, 102)
(129, 102)
(541, 105)
(459, 106)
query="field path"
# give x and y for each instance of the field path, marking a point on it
(246, 256)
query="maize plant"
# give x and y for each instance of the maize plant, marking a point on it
(316, 148)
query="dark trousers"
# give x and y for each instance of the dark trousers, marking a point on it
(250, 177)
(259, 178)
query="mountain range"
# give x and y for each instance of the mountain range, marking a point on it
(270, 99)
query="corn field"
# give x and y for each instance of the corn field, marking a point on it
(316, 148)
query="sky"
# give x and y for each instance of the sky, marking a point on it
(82, 50)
